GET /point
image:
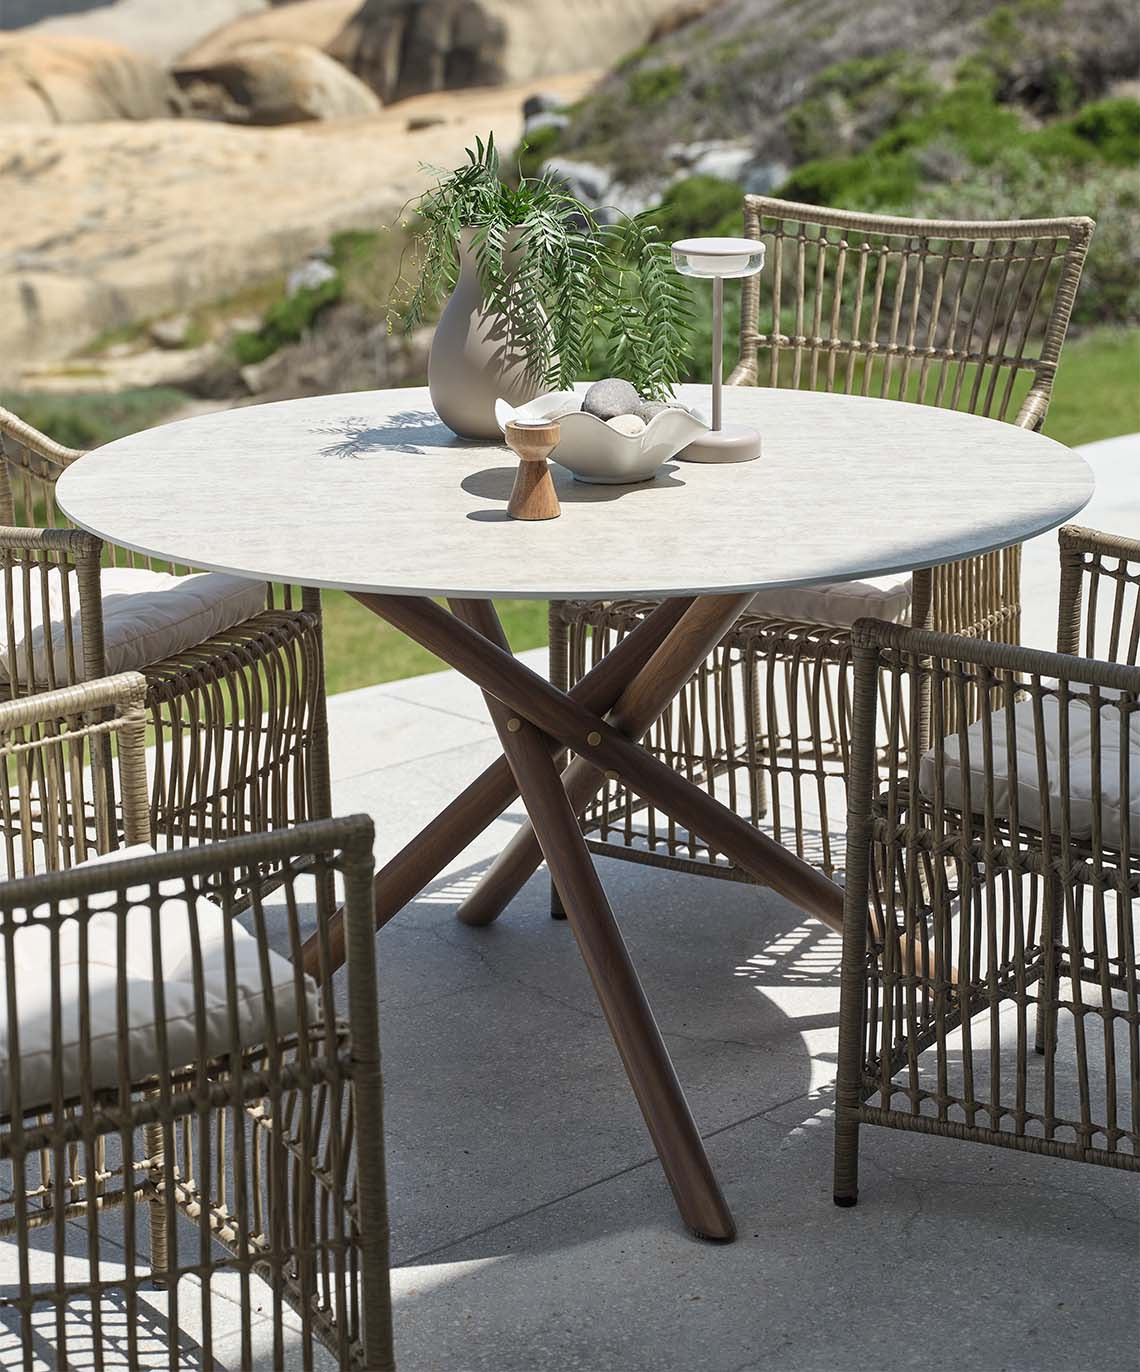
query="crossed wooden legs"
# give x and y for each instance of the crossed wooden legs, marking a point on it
(601, 720)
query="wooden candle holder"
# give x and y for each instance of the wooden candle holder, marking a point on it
(533, 496)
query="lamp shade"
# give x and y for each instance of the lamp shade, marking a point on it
(718, 257)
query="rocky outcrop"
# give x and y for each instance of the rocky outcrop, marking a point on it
(405, 47)
(316, 22)
(79, 80)
(111, 223)
(161, 29)
(273, 82)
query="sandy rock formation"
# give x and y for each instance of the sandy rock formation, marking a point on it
(109, 223)
(79, 80)
(406, 47)
(161, 29)
(274, 82)
(316, 22)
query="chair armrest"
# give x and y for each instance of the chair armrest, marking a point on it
(125, 692)
(74, 543)
(36, 441)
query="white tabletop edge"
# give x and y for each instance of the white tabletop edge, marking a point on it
(964, 514)
(656, 593)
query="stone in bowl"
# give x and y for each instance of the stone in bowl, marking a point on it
(594, 450)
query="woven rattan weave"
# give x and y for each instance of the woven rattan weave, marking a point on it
(965, 315)
(992, 903)
(240, 717)
(259, 1157)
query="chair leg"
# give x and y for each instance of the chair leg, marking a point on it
(754, 738)
(155, 1145)
(1045, 1039)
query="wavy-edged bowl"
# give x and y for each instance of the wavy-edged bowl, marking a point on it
(593, 451)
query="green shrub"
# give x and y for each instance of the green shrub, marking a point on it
(1112, 127)
(286, 321)
(862, 182)
(700, 205)
(655, 85)
(1018, 186)
(86, 421)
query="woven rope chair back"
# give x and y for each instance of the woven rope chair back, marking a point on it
(64, 799)
(1100, 596)
(967, 315)
(32, 464)
(1003, 870)
(184, 1070)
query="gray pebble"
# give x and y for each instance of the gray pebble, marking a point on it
(649, 409)
(611, 397)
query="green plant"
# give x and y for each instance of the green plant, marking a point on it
(655, 85)
(565, 284)
(286, 321)
(700, 205)
(87, 421)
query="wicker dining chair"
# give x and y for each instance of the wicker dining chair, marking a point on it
(992, 901)
(962, 315)
(162, 1063)
(233, 667)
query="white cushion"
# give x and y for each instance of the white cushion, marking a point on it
(147, 616)
(840, 603)
(1113, 814)
(32, 952)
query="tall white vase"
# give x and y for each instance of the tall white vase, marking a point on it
(471, 364)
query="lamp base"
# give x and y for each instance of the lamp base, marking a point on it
(723, 445)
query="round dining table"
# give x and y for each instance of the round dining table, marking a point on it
(369, 493)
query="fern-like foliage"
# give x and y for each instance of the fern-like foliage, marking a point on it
(564, 283)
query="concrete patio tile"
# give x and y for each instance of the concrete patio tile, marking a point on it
(153, 1329)
(370, 728)
(449, 690)
(973, 1261)
(517, 1062)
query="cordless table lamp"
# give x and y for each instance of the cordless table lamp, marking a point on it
(719, 258)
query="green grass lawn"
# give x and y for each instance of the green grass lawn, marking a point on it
(361, 650)
(1097, 391)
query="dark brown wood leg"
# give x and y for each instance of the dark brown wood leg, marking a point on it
(608, 749)
(419, 862)
(607, 959)
(640, 705)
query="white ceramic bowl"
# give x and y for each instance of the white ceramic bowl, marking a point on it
(593, 451)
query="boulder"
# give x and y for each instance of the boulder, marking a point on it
(409, 47)
(315, 22)
(160, 29)
(79, 81)
(271, 82)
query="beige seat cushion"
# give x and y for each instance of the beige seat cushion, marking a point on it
(32, 952)
(1116, 809)
(840, 603)
(147, 616)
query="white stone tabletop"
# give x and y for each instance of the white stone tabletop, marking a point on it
(370, 492)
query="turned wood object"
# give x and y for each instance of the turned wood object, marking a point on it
(534, 496)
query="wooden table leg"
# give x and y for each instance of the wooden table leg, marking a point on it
(419, 862)
(605, 747)
(607, 959)
(635, 712)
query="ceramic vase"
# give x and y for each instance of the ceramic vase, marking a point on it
(472, 364)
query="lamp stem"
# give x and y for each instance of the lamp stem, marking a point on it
(717, 347)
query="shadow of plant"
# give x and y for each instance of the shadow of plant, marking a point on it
(405, 432)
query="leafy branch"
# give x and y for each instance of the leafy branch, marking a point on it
(566, 284)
